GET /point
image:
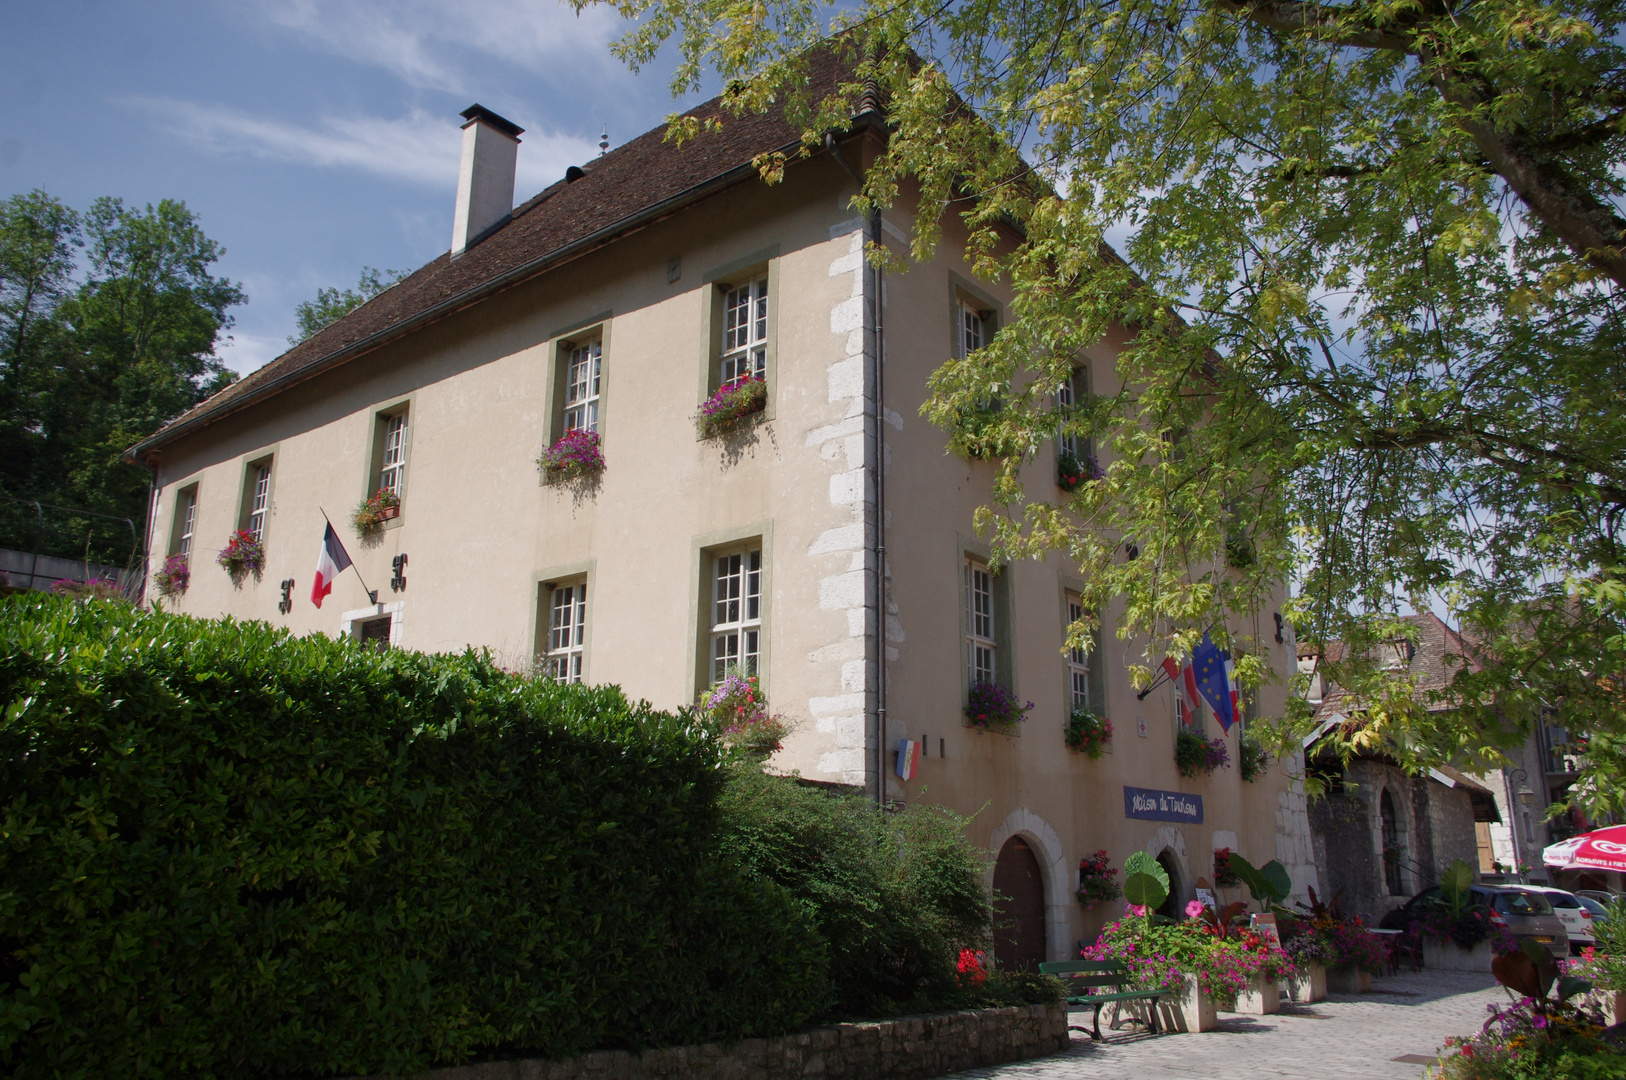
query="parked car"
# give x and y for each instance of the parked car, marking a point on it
(1577, 918)
(1523, 912)
(1599, 911)
(1597, 895)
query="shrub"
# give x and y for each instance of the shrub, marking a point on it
(1194, 755)
(231, 852)
(578, 453)
(243, 554)
(1087, 733)
(898, 896)
(990, 705)
(730, 405)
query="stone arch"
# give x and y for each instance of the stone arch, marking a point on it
(1058, 883)
(1172, 839)
(1394, 828)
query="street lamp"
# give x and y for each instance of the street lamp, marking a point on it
(1526, 796)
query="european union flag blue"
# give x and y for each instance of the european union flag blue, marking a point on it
(1208, 662)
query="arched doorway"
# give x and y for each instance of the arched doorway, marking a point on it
(1018, 907)
(1392, 849)
(1175, 905)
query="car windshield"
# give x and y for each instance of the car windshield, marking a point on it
(1562, 900)
(1523, 903)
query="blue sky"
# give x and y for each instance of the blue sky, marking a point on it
(312, 137)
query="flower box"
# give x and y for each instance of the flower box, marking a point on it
(242, 555)
(733, 405)
(991, 707)
(1196, 756)
(578, 454)
(371, 513)
(1261, 998)
(1192, 1012)
(1446, 957)
(1349, 979)
(1308, 984)
(389, 513)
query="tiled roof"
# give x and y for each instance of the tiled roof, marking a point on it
(1432, 664)
(640, 180)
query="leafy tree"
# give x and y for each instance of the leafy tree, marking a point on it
(332, 304)
(101, 355)
(1369, 298)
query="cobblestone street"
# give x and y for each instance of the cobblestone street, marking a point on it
(1346, 1036)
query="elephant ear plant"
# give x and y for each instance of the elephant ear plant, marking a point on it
(1269, 883)
(1146, 883)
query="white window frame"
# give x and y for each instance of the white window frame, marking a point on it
(1081, 694)
(972, 331)
(735, 635)
(1067, 396)
(392, 461)
(189, 523)
(745, 332)
(981, 632)
(584, 373)
(259, 499)
(565, 654)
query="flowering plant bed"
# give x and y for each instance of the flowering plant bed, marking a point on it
(1333, 943)
(1194, 755)
(1087, 733)
(1073, 473)
(96, 588)
(173, 577)
(243, 554)
(736, 708)
(1224, 876)
(990, 705)
(1095, 881)
(371, 513)
(1159, 955)
(730, 406)
(1252, 761)
(576, 454)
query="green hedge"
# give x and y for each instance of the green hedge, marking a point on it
(230, 852)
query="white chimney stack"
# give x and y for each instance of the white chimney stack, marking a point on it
(485, 179)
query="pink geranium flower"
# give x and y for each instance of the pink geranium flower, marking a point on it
(1194, 909)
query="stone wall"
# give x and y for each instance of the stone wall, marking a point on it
(908, 1048)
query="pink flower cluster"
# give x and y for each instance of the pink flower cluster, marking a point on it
(732, 402)
(577, 453)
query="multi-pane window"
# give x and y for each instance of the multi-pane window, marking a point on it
(1071, 393)
(745, 331)
(971, 329)
(736, 613)
(189, 521)
(581, 386)
(1078, 661)
(567, 632)
(979, 627)
(259, 498)
(392, 463)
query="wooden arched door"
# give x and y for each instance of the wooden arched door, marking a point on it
(1018, 908)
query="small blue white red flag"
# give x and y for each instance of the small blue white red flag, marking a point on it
(908, 758)
(333, 561)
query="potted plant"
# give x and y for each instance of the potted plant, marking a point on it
(173, 577)
(371, 513)
(737, 710)
(1251, 757)
(1087, 733)
(730, 406)
(1095, 881)
(577, 454)
(243, 554)
(990, 706)
(1457, 934)
(1195, 756)
(1073, 473)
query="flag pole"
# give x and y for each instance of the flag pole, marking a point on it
(372, 594)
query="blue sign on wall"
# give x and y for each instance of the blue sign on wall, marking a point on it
(1149, 804)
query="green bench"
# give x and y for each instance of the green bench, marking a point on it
(1101, 982)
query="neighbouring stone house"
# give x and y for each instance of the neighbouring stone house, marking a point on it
(1381, 834)
(828, 546)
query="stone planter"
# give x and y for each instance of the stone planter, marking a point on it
(1262, 997)
(1447, 957)
(1191, 1013)
(1308, 984)
(1349, 980)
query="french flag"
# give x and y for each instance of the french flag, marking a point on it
(908, 758)
(1186, 679)
(330, 564)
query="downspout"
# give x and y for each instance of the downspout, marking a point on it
(875, 535)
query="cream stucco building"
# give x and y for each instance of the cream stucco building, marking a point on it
(623, 295)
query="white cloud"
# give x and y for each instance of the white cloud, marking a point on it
(436, 44)
(420, 147)
(244, 353)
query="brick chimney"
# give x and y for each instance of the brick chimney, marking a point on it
(485, 178)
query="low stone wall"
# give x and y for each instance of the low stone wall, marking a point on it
(908, 1048)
